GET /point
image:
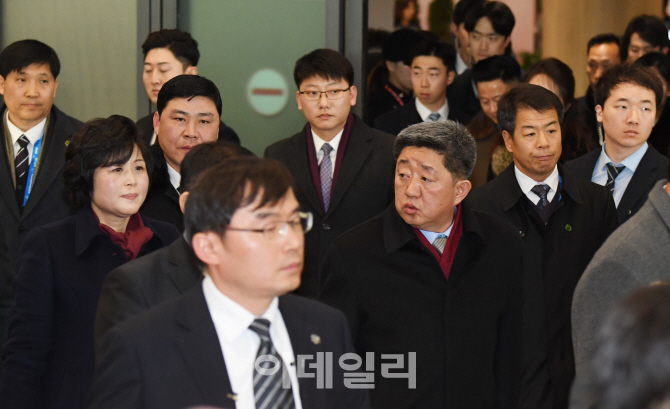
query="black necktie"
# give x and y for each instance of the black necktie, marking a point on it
(21, 165)
(269, 393)
(541, 190)
(612, 173)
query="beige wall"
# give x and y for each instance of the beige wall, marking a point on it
(569, 24)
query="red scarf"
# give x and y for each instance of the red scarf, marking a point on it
(447, 257)
(136, 235)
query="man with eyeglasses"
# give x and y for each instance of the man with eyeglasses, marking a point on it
(343, 169)
(489, 25)
(237, 339)
(167, 273)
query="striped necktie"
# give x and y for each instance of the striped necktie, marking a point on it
(612, 173)
(440, 242)
(271, 390)
(326, 174)
(22, 165)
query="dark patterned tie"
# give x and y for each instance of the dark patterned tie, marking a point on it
(541, 190)
(439, 243)
(22, 165)
(326, 174)
(612, 173)
(434, 116)
(269, 393)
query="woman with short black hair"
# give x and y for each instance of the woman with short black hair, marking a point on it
(61, 266)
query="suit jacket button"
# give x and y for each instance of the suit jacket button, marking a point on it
(326, 226)
(522, 233)
(630, 212)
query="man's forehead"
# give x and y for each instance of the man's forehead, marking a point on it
(196, 104)
(35, 69)
(529, 116)
(631, 91)
(317, 80)
(286, 204)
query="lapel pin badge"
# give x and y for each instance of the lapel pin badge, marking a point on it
(568, 227)
(316, 340)
(232, 396)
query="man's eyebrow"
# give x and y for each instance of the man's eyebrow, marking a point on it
(205, 114)
(179, 112)
(428, 168)
(528, 127)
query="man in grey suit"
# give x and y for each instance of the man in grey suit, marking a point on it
(634, 255)
(164, 274)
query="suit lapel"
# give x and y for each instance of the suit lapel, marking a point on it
(299, 166)
(358, 150)
(183, 268)
(201, 349)
(300, 331)
(53, 162)
(6, 180)
(640, 183)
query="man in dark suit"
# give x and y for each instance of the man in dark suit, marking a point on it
(489, 25)
(627, 97)
(212, 346)
(602, 53)
(433, 69)
(164, 274)
(343, 170)
(34, 135)
(562, 220)
(168, 53)
(188, 113)
(431, 277)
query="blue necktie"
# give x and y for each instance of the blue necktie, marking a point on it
(434, 116)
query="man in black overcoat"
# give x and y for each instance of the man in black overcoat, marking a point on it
(433, 282)
(350, 183)
(562, 221)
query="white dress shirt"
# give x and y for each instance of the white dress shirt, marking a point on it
(621, 182)
(335, 143)
(175, 177)
(33, 134)
(431, 235)
(526, 184)
(460, 64)
(240, 345)
(424, 111)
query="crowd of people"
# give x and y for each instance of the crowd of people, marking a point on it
(458, 247)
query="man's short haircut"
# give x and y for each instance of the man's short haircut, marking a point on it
(498, 13)
(229, 186)
(498, 67)
(650, 29)
(607, 38)
(100, 142)
(448, 139)
(180, 43)
(631, 365)
(324, 63)
(205, 156)
(21, 54)
(656, 60)
(443, 51)
(628, 74)
(461, 10)
(560, 73)
(189, 87)
(526, 96)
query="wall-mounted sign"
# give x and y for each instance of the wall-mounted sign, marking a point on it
(267, 92)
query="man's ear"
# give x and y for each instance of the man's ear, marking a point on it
(508, 141)
(463, 187)
(182, 201)
(205, 246)
(599, 113)
(298, 99)
(191, 70)
(2, 85)
(450, 77)
(157, 119)
(354, 93)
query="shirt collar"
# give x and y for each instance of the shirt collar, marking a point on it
(335, 142)
(175, 177)
(431, 235)
(235, 318)
(526, 183)
(631, 162)
(424, 111)
(33, 134)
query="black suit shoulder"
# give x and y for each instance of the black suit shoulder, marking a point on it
(393, 122)
(583, 165)
(463, 103)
